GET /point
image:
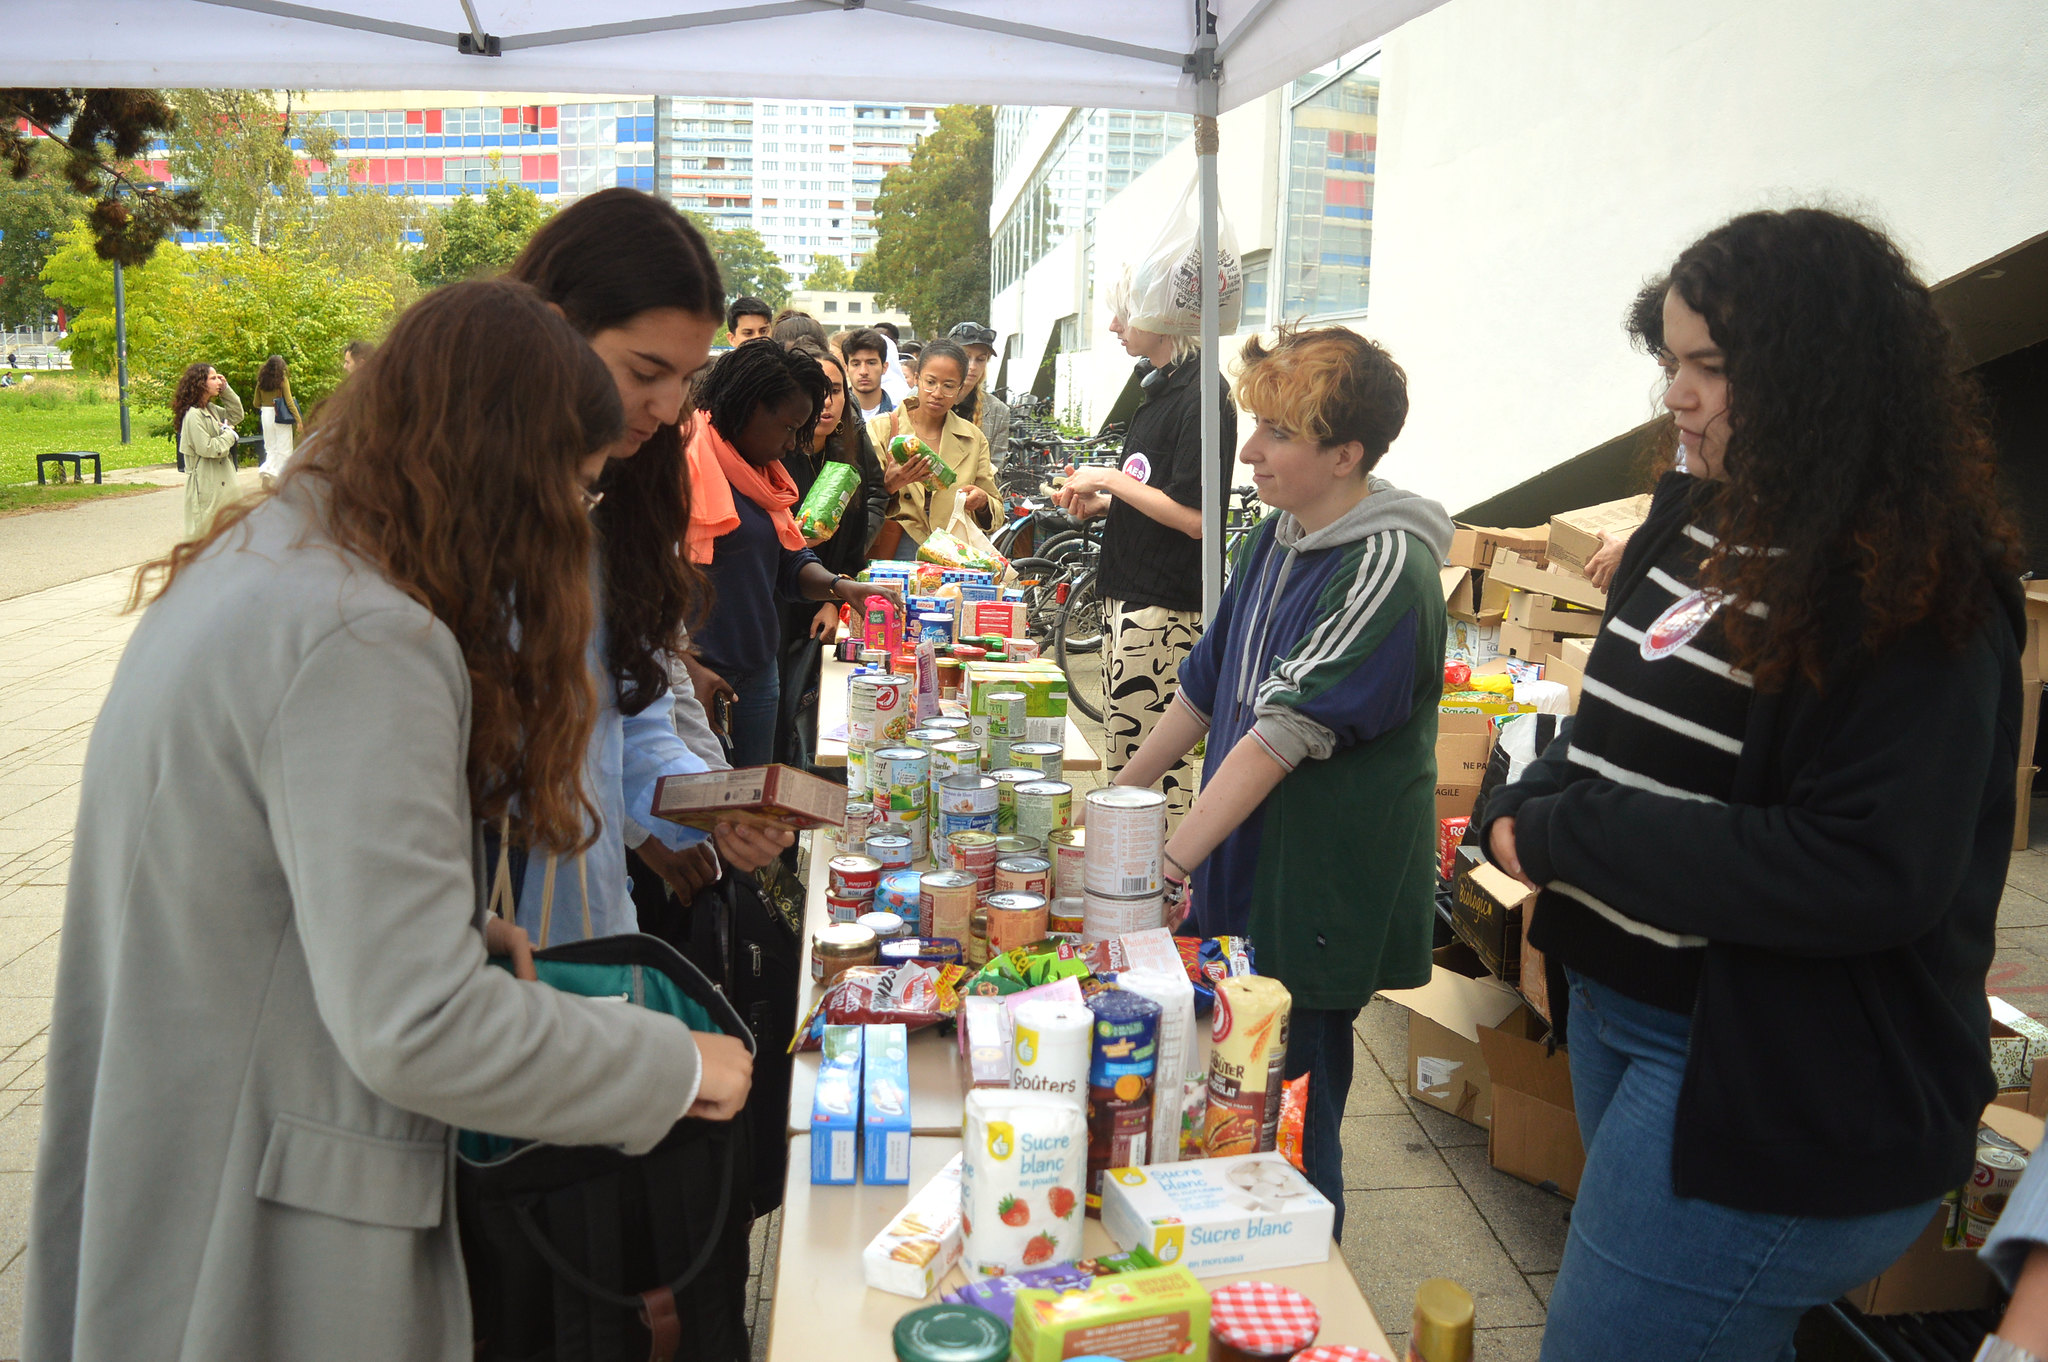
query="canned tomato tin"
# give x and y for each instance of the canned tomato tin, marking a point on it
(1014, 919)
(1990, 1187)
(975, 854)
(886, 925)
(841, 947)
(855, 876)
(849, 908)
(899, 894)
(1065, 917)
(1067, 848)
(977, 937)
(945, 902)
(1006, 715)
(1043, 806)
(1007, 779)
(889, 847)
(1024, 874)
(1048, 757)
(1009, 844)
(1126, 831)
(901, 780)
(1104, 918)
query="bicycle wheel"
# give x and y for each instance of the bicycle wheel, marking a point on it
(1078, 645)
(1044, 583)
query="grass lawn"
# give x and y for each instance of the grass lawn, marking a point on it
(34, 498)
(60, 412)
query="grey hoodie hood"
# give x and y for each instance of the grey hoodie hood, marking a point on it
(1386, 507)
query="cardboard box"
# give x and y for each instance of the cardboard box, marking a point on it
(1511, 570)
(1248, 1213)
(1533, 979)
(1575, 535)
(1158, 1315)
(2018, 1043)
(1487, 916)
(1467, 641)
(1041, 682)
(761, 796)
(885, 1105)
(1445, 1066)
(1473, 546)
(835, 1109)
(1478, 599)
(1575, 652)
(922, 1244)
(1565, 674)
(1534, 645)
(1535, 1132)
(1533, 611)
(1464, 745)
(1456, 800)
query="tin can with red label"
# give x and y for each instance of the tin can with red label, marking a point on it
(846, 908)
(974, 853)
(1067, 848)
(1015, 919)
(855, 876)
(1024, 874)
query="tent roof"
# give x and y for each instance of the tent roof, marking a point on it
(1106, 53)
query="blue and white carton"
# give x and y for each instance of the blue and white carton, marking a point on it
(835, 1109)
(885, 1105)
(1244, 1213)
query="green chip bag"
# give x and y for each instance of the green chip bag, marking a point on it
(827, 500)
(904, 448)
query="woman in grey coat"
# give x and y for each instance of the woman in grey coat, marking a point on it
(273, 1008)
(205, 412)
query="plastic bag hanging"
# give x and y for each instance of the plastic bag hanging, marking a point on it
(1166, 284)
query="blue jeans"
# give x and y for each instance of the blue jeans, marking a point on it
(1650, 1274)
(1319, 1044)
(758, 698)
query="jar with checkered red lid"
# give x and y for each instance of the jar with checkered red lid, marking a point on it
(1340, 1352)
(1260, 1322)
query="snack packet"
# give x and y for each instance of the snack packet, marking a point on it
(1293, 1111)
(904, 448)
(945, 548)
(913, 994)
(823, 506)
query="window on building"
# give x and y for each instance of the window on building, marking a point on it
(831, 305)
(1256, 267)
(1326, 216)
(853, 305)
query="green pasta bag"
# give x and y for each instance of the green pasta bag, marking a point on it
(904, 448)
(827, 500)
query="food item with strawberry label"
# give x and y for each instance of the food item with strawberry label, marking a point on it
(922, 1243)
(1025, 1155)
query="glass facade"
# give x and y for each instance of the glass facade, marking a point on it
(1096, 153)
(1326, 213)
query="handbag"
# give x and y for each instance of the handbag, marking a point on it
(589, 1253)
(283, 415)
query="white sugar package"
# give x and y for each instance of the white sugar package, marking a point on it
(1024, 1159)
(1180, 1059)
(922, 1243)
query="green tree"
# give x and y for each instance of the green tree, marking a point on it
(932, 223)
(101, 133)
(235, 148)
(747, 266)
(34, 211)
(475, 236)
(364, 233)
(77, 277)
(829, 275)
(869, 277)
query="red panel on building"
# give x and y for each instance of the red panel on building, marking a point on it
(509, 116)
(1344, 193)
(359, 171)
(548, 114)
(550, 168)
(415, 116)
(376, 169)
(529, 167)
(415, 169)
(432, 172)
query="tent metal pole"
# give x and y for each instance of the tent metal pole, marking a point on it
(1206, 145)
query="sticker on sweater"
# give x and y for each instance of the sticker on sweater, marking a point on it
(1139, 467)
(1680, 624)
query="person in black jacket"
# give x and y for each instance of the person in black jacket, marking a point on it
(1772, 847)
(840, 437)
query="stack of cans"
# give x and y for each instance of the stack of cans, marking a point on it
(878, 710)
(1122, 889)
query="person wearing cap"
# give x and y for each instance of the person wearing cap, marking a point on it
(983, 408)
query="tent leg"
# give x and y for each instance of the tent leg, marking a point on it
(1214, 477)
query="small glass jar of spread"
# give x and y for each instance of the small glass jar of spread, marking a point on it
(1340, 1352)
(841, 947)
(950, 1333)
(1260, 1322)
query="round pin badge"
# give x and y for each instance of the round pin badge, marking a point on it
(1139, 467)
(1680, 624)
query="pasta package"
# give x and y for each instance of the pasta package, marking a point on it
(904, 448)
(825, 504)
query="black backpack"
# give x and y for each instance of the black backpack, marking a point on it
(591, 1254)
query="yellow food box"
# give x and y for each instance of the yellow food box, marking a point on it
(1158, 1315)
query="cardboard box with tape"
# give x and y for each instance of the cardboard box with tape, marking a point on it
(1473, 546)
(1535, 1130)
(1487, 916)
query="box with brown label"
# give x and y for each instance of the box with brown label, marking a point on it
(1487, 916)
(758, 796)
(1446, 1069)
(1575, 535)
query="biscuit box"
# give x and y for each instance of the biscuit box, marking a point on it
(1241, 1214)
(759, 796)
(1157, 1315)
(922, 1243)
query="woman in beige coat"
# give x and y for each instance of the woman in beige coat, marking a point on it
(206, 440)
(273, 1009)
(921, 503)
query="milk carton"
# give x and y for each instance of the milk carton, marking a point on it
(1242, 1214)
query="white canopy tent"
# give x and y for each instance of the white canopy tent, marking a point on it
(1183, 55)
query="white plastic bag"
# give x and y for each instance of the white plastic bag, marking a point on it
(1166, 284)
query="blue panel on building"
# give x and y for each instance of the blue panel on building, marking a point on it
(416, 142)
(550, 186)
(529, 139)
(550, 139)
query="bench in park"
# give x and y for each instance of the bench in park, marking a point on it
(75, 458)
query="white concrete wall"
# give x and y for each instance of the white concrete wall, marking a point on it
(1538, 161)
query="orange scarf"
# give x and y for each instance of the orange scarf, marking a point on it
(716, 471)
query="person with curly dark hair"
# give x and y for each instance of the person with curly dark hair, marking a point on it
(758, 407)
(1777, 831)
(206, 443)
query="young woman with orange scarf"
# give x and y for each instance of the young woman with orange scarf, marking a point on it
(758, 404)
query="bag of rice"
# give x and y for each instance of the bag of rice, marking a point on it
(825, 504)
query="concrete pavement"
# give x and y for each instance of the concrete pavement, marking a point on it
(41, 549)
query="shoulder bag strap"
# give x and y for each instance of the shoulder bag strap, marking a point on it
(501, 880)
(547, 902)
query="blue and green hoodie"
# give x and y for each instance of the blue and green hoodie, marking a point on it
(1328, 649)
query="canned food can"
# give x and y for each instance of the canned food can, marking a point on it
(961, 727)
(899, 894)
(860, 815)
(877, 709)
(901, 778)
(950, 823)
(1990, 1187)
(1247, 1063)
(1043, 807)
(998, 752)
(935, 627)
(926, 737)
(1104, 918)
(889, 847)
(977, 937)
(1048, 757)
(875, 657)
(1006, 715)
(970, 794)
(855, 876)
(840, 947)
(1126, 835)
(911, 826)
(886, 925)
(1065, 917)
(1010, 844)
(1024, 874)
(1068, 850)
(849, 908)
(857, 772)
(945, 903)
(1015, 919)
(1007, 779)
(974, 853)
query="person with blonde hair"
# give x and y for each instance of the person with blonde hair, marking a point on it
(1316, 686)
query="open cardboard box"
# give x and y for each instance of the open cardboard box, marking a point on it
(1473, 546)
(1535, 1131)
(1464, 744)
(1486, 913)
(1445, 1066)
(1510, 569)
(1575, 535)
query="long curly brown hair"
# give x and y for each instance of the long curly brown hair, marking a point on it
(1858, 452)
(190, 393)
(449, 464)
(604, 260)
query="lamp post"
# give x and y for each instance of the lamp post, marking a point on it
(121, 346)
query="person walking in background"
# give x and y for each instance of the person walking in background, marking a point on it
(205, 412)
(921, 503)
(1316, 687)
(748, 318)
(354, 353)
(279, 415)
(1150, 577)
(756, 409)
(867, 359)
(839, 437)
(273, 1009)
(978, 404)
(1784, 810)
